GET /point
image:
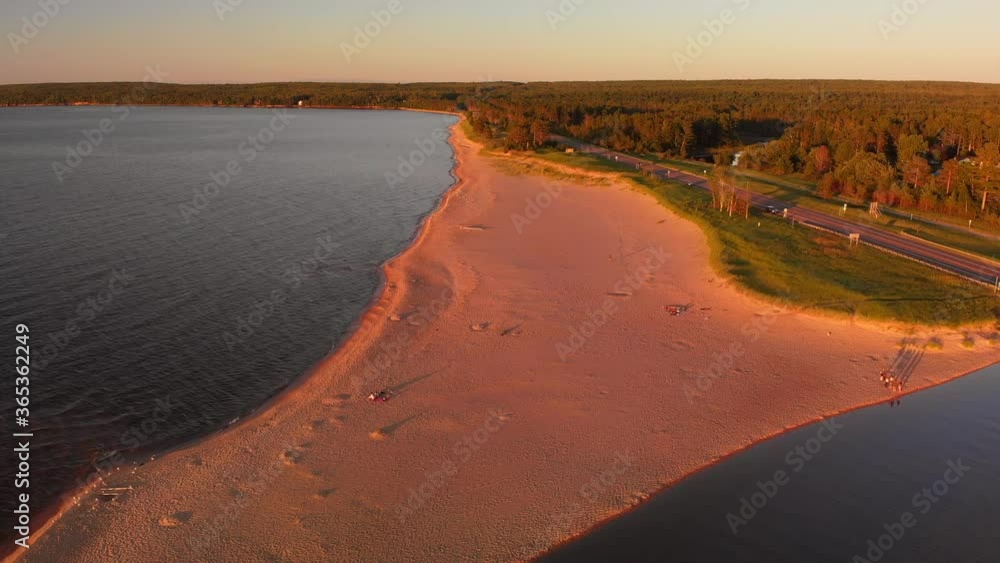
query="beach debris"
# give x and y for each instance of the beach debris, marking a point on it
(382, 396)
(106, 456)
(474, 227)
(481, 327)
(114, 491)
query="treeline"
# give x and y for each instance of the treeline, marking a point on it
(424, 96)
(920, 145)
(915, 145)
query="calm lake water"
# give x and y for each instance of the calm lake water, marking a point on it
(855, 487)
(167, 295)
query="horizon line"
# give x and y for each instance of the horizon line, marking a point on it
(613, 81)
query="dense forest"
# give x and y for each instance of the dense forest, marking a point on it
(914, 145)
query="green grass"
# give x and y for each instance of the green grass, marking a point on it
(803, 267)
(801, 192)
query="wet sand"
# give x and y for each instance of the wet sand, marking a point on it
(539, 387)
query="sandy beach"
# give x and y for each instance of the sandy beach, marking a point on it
(540, 387)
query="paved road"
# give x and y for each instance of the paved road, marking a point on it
(954, 262)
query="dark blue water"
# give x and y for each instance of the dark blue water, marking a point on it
(835, 495)
(163, 304)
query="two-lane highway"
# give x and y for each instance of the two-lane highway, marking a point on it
(955, 262)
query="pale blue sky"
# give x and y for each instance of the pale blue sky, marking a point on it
(466, 40)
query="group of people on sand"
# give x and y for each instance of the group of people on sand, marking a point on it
(891, 382)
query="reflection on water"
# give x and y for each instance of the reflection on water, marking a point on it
(910, 482)
(192, 264)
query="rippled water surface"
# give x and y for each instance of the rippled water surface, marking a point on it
(837, 494)
(162, 303)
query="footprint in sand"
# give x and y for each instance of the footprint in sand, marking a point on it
(324, 493)
(291, 457)
(481, 327)
(513, 331)
(338, 404)
(176, 519)
(682, 345)
(386, 432)
(397, 317)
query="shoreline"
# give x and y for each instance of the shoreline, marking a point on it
(374, 320)
(50, 515)
(723, 459)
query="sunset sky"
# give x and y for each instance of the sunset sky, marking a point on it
(522, 40)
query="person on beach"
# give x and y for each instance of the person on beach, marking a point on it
(382, 396)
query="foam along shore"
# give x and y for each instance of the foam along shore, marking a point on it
(540, 384)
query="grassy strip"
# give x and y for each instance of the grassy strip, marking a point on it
(803, 193)
(813, 269)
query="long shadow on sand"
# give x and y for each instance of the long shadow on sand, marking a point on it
(906, 363)
(398, 389)
(393, 428)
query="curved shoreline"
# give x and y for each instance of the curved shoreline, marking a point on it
(723, 459)
(50, 515)
(374, 319)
